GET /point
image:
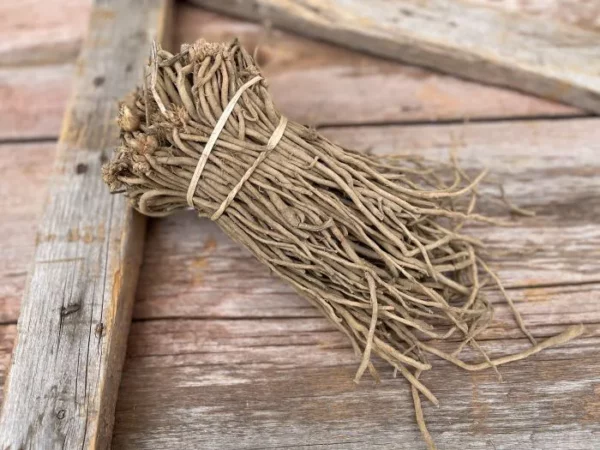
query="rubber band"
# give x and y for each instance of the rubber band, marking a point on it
(273, 141)
(213, 139)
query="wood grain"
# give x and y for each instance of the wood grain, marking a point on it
(223, 355)
(8, 333)
(249, 384)
(475, 42)
(551, 168)
(36, 100)
(190, 277)
(39, 42)
(41, 33)
(271, 382)
(337, 86)
(331, 85)
(584, 14)
(217, 361)
(74, 321)
(21, 209)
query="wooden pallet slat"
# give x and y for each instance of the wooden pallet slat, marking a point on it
(37, 65)
(287, 383)
(545, 58)
(244, 362)
(72, 331)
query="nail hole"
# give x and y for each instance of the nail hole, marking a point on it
(81, 168)
(98, 81)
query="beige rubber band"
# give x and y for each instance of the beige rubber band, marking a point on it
(273, 141)
(213, 139)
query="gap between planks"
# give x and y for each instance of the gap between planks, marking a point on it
(455, 121)
(390, 123)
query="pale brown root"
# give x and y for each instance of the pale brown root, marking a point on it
(514, 310)
(562, 338)
(366, 358)
(419, 416)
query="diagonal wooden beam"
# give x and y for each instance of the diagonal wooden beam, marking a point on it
(72, 332)
(541, 57)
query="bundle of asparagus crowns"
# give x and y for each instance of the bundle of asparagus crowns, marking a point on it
(374, 243)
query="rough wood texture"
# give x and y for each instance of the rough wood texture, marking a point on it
(245, 363)
(351, 88)
(268, 383)
(584, 14)
(288, 384)
(39, 42)
(216, 360)
(37, 100)
(551, 168)
(548, 59)
(41, 33)
(36, 88)
(74, 321)
(21, 209)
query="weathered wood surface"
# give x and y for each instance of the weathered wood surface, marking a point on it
(23, 188)
(288, 384)
(39, 43)
(241, 361)
(42, 33)
(551, 168)
(545, 58)
(37, 98)
(225, 356)
(350, 88)
(74, 321)
(34, 110)
(268, 383)
(584, 14)
(232, 332)
(37, 61)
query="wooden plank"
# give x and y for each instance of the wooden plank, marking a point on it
(7, 337)
(332, 85)
(552, 169)
(584, 14)
(175, 352)
(8, 333)
(173, 363)
(548, 59)
(41, 33)
(340, 82)
(249, 384)
(191, 383)
(21, 209)
(39, 42)
(72, 331)
(36, 100)
(193, 278)
(247, 364)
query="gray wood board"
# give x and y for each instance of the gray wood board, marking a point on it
(224, 355)
(75, 315)
(546, 58)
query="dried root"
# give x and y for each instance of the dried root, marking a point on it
(374, 243)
